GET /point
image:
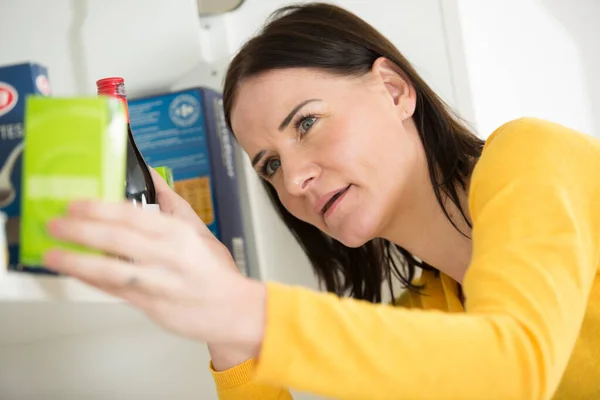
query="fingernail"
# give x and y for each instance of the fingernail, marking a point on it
(76, 206)
(55, 227)
(51, 258)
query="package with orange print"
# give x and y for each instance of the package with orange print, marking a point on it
(17, 82)
(186, 132)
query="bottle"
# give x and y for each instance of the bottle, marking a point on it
(139, 187)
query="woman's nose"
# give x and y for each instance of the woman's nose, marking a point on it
(299, 175)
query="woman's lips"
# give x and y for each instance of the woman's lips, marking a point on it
(334, 201)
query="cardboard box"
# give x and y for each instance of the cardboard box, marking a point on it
(75, 148)
(186, 132)
(16, 83)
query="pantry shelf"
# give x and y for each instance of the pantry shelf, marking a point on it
(25, 287)
(40, 307)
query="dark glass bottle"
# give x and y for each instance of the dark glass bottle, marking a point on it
(139, 187)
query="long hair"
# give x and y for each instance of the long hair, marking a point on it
(331, 39)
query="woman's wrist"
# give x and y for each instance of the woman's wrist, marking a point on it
(247, 310)
(252, 310)
(226, 356)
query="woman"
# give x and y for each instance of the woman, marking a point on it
(378, 180)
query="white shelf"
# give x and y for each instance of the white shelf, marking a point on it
(29, 322)
(26, 287)
(35, 307)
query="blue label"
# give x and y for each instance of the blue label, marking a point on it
(171, 130)
(184, 110)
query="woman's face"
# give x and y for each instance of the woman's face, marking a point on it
(341, 152)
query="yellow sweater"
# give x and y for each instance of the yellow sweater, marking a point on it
(530, 328)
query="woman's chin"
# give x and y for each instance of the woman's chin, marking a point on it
(354, 238)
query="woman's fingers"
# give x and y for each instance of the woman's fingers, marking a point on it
(123, 230)
(112, 275)
(115, 239)
(159, 183)
(125, 213)
(172, 203)
(168, 199)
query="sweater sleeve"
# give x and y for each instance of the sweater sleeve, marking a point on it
(236, 383)
(533, 201)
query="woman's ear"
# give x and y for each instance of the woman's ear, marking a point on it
(397, 85)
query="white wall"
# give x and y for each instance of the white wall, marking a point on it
(150, 43)
(533, 58)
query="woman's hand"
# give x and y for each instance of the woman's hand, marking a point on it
(223, 355)
(182, 276)
(173, 204)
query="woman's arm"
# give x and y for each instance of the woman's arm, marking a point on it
(535, 256)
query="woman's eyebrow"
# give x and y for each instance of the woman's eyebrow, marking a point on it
(289, 117)
(257, 157)
(282, 126)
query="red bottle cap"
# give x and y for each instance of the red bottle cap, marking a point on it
(115, 87)
(112, 86)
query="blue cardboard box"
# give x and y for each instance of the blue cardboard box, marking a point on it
(16, 83)
(186, 131)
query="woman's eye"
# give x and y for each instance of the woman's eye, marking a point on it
(272, 166)
(306, 124)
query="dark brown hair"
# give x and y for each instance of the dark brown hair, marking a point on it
(331, 39)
